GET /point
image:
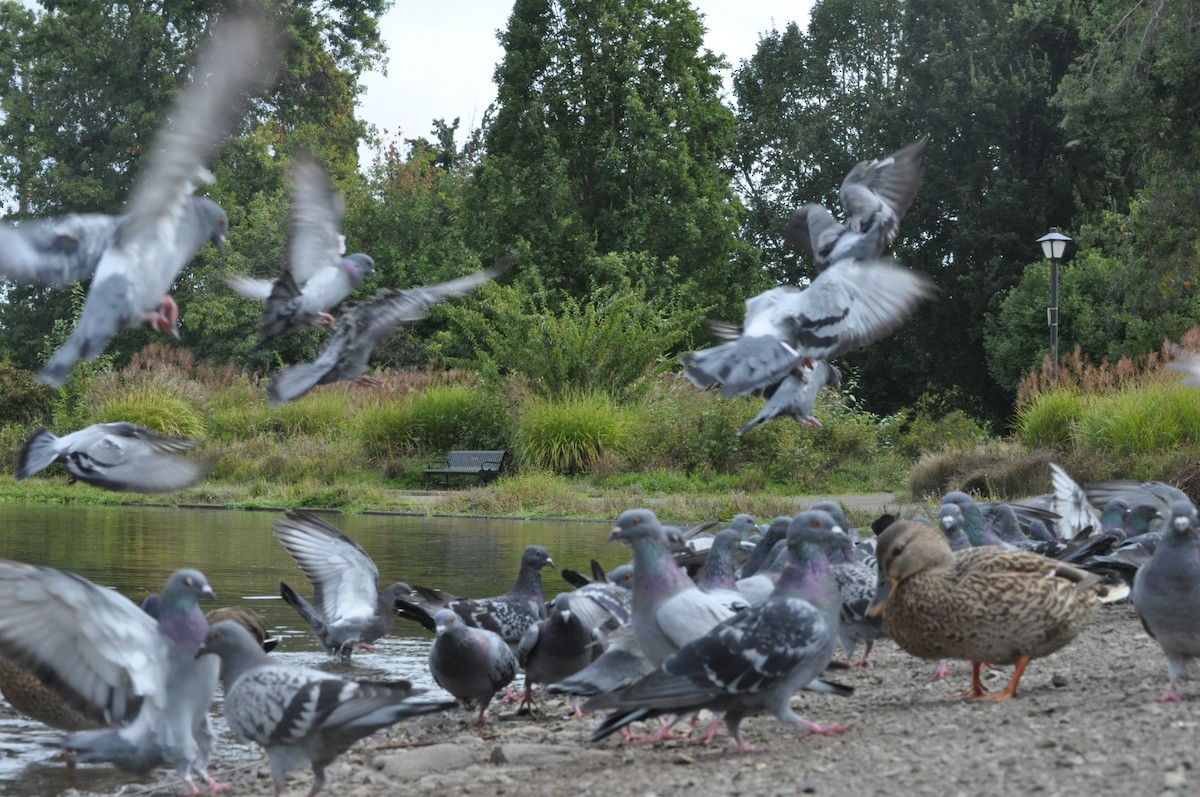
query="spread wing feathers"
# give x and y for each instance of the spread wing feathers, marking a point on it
(879, 192)
(1076, 514)
(343, 576)
(389, 308)
(812, 231)
(97, 650)
(56, 251)
(238, 57)
(315, 240)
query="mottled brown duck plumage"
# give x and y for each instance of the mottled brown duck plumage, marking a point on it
(27, 694)
(993, 605)
(249, 619)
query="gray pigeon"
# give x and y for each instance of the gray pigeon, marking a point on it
(508, 615)
(745, 526)
(164, 224)
(362, 327)
(757, 659)
(119, 456)
(1166, 594)
(1160, 494)
(875, 195)
(56, 251)
(1187, 362)
(775, 533)
(795, 395)
(848, 306)
(298, 714)
(562, 644)
(856, 583)
(669, 611)
(617, 667)
(473, 664)
(950, 518)
(350, 612)
(317, 277)
(116, 666)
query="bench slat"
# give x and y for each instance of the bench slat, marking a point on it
(483, 464)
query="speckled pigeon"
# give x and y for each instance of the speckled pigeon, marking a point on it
(848, 306)
(755, 660)
(301, 715)
(473, 664)
(362, 327)
(875, 195)
(115, 456)
(349, 611)
(795, 395)
(164, 224)
(1166, 594)
(669, 610)
(116, 665)
(317, 276)
(507, 615)
(856, 583)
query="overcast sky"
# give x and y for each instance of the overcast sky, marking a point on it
(440, 59)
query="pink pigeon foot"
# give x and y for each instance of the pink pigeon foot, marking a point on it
(215, 786)
(811, 422)
(707, 737)
(327, 320)
(814, 729)
(942, 671)
(1169, 696)
(743, 749)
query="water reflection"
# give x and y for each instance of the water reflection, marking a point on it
(134, 549)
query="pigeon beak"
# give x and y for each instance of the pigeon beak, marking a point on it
(615, 534)
(550, 562)
(882, 595)
(208, 593)
(203, 651)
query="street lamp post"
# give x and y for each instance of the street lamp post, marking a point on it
(1054, 243)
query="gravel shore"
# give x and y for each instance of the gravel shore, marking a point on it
(1083, 723)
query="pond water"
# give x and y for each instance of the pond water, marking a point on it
(134, 549)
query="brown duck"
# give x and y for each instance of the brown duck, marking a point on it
(997, 605)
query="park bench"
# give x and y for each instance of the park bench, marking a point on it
(483, 465)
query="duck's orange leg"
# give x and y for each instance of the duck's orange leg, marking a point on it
(1010, 691)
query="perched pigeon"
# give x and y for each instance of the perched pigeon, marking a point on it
(669, 610)
(317, 277)
(362, 327)
(301, 715)
(755, 660)
(116, 666)
(795, 395)
(847, 307)
(875, 195)
(164, 224)
(115, 456)
(473, 664)
(745, 526)
(562, 644)
(775, 533)
(349, 612)
(758, 587)
(950, 517)
(1166, 594)
(508, 615)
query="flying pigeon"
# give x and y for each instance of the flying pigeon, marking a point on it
(795, 395)
(669, 610)
(473, 664)
(298, 714)
(56, 251)
(362, 327)
(317, 276)
(755, 660)
(349, 611)
(119, 456)
(508, 615)
(1166, 594)
(116, 665)
(848, 306)
(164, 224)
(1187, 362)
(875, 195)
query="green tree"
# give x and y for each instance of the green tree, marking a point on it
(608, 137)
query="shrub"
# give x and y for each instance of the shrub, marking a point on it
(23, 401)
(435, 420)
(1048, 419)
(154, 407)
(567, 435)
